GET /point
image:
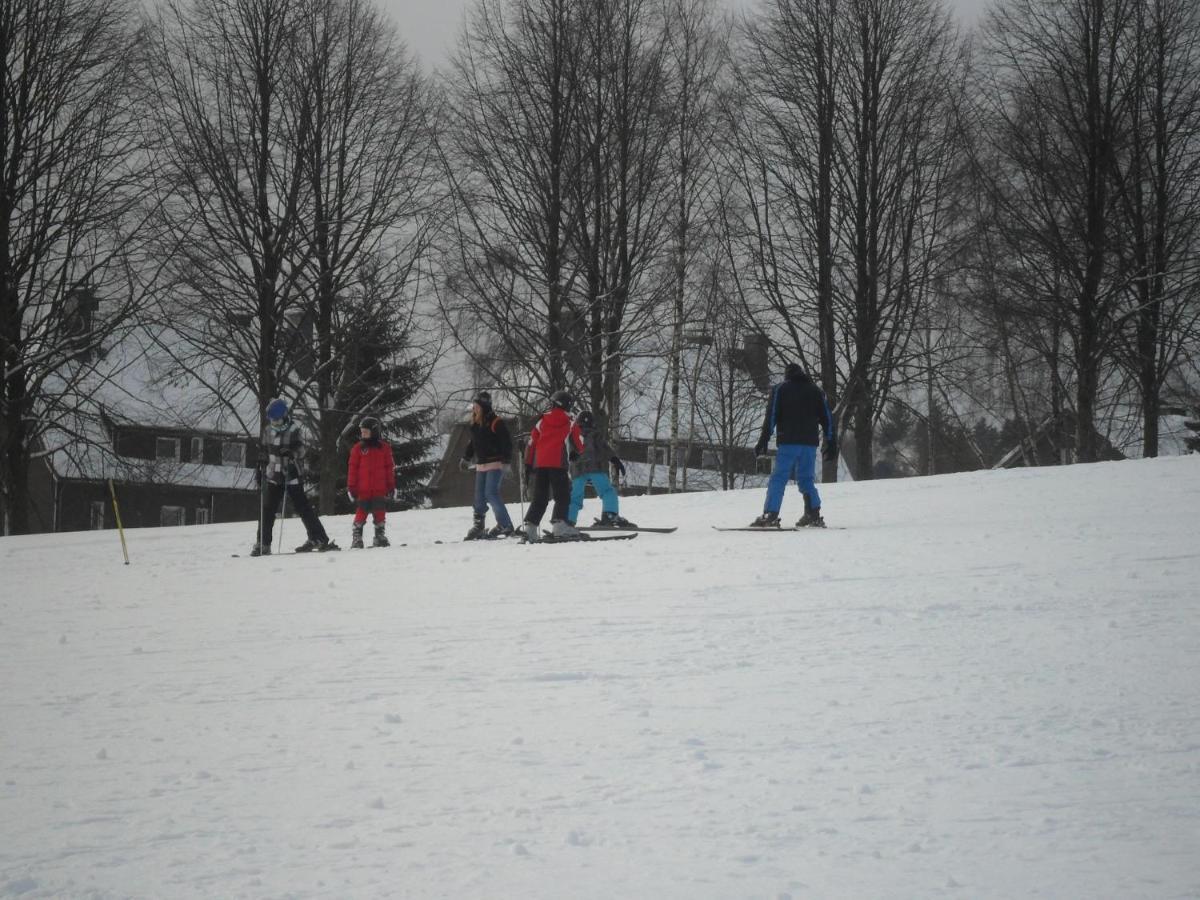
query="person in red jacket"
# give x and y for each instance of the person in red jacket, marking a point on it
(370, 481)
(554, 441)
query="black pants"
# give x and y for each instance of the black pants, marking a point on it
(545, 482)
(298, 502)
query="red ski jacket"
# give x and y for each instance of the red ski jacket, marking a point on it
(372, 472)
(549, 438)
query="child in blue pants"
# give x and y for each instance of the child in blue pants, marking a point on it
(590, 466)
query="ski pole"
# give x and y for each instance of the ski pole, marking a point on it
(262, 505)
(283, 517)
(117, 512)
(521, 477)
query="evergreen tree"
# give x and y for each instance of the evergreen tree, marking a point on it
(375, 374)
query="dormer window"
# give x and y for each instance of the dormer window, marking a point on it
(233, 453)
(79, 319)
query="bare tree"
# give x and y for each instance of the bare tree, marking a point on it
(72, 182)
(698, 58)
(1158, 185)
(623, 134)
(1060, 104)
(371, 165)
(842, 160)
(235, 121)
(513, 160)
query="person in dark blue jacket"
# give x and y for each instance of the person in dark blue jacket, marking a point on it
(798, 414)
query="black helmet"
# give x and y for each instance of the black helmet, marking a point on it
(586, 419)
(793, 371)
(563, 400)
(371, 424)
(484, 399)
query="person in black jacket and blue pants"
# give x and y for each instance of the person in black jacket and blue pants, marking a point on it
(798, 414)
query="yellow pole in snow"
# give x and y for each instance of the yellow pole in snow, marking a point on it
(117, 512)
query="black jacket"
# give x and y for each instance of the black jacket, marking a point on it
(797, 412)
(490, 441)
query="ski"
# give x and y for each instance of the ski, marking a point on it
(790, 528)
(584, 539)
(332, 548)
(602, 528)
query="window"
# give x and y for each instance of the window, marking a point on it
(202, 517)
(166, 448)
(233, 453)
(171, 515)
(97, 515)
(197, 450)
(710, 459)
(657, 455)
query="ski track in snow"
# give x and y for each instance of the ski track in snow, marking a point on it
(985, 687)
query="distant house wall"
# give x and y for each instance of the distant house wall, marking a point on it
(77, 504)
(85, 504)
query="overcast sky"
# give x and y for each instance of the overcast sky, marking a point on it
(429, 27)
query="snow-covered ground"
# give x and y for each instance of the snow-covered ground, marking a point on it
(985, 686)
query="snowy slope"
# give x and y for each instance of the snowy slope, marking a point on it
(986, 686)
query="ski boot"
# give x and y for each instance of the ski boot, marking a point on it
(356, 541)
(321, 545)
(766, 520)
(501, 531)
(477, 530)
(612, 520)
(562, 530)
(260, 550)
(812, 516)
(380, 538)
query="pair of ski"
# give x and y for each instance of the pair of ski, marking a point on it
(603, 533)
(773, 528)
(333, 548)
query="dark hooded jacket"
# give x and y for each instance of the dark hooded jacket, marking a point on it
(797, 412)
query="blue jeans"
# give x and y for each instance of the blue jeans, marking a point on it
(487, 493)
(604, 490)
(797, 461)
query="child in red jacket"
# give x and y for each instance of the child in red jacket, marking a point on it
(370, 480)
(554, 441)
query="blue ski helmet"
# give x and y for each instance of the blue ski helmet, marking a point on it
(277, 411)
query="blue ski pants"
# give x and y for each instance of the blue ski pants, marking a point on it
(604, 490)
(797, 461)
(487, 493)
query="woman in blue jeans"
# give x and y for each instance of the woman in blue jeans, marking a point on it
(491, 451)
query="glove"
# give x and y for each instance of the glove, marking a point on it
(573, 455)
(350, 494)
(528, 471)
(464, 464)
(760, 449)
(616, 461)
(829, 452)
